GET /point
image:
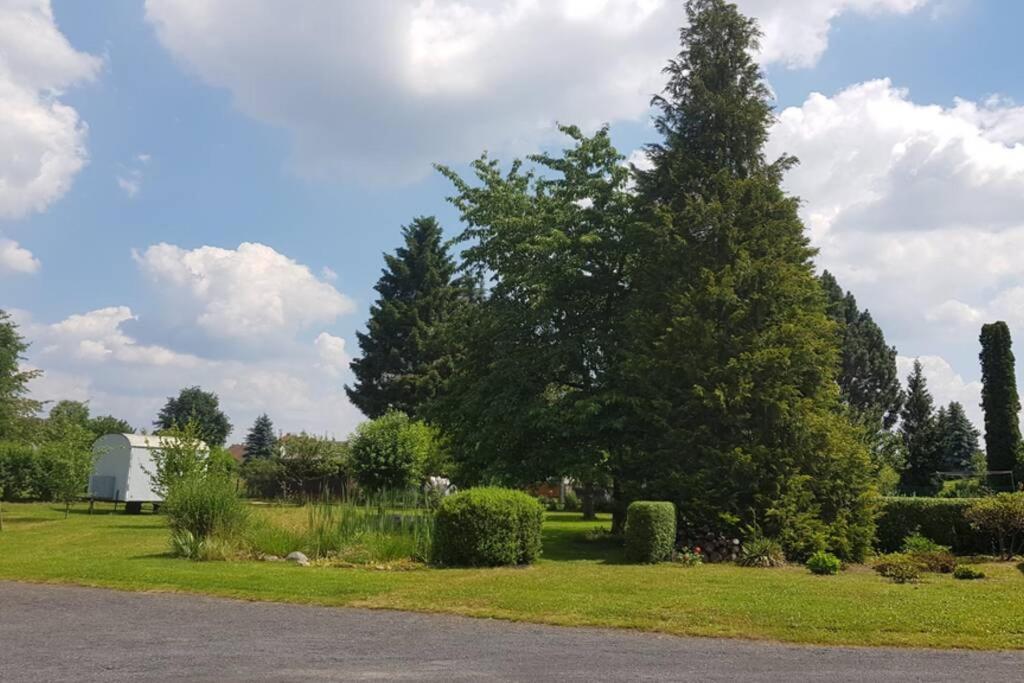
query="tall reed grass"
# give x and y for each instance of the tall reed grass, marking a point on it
(383, 528)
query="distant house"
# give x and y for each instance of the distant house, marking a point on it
(237, 452)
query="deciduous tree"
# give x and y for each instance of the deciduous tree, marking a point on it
(201, 407)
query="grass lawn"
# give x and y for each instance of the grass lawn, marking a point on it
(579, 582)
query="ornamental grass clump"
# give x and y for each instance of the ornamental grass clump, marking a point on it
(650, 531)
(205, 515)
(487, 527)
(761, 551)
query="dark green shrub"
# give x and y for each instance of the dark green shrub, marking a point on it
(21, 474)
(572, 502)
(761, 551)
(899, 567)
(650, 531)
(200, 507)
(824, 563)
(966, 573)
(487, 527)
(942, 520)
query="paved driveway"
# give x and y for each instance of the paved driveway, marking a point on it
(57, 633)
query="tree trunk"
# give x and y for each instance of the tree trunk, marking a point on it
(618, 509)
(67, 509)
(1, 514)
(588, 501)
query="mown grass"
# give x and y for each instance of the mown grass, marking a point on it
(579, 582)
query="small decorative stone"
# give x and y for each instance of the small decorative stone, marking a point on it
(271, 558)
(298, 558)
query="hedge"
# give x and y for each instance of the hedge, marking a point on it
(487, 527)
(940, 519)
(650, 531)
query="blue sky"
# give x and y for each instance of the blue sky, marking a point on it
(308, 128)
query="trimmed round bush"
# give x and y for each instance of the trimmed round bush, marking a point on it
(965, 573)
(487, 527)
(650, 531)
(824, 563)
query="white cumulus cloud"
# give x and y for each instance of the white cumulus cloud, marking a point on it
(243, 293)
(43, 139)
(380, 90)
(16, 259)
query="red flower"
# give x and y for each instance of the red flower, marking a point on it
(697, 550)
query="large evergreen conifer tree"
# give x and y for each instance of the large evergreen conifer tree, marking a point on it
(958, 438)
(736, 357)
(919, 429)
(868, 379)
(405, 358)
(261, 441)
(999, 398)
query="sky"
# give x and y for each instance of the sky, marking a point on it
(198, 192)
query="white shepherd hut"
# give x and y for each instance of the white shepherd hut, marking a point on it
(124, 469)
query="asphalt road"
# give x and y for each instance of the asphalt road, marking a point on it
(57, 633)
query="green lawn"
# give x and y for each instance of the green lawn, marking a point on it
(579, 582)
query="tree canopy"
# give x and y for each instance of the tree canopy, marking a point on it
(192, 404)
(15, 404)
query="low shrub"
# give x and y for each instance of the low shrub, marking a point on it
(761, 551)
(935, 561)
(1002, 517)
(967, 573)
(824, 563)
(650, 531)
(203, 507)
(487, 527)
(898, 567)
(943, 520)
(572, 502)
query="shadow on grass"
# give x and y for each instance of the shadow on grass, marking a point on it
(568, 537)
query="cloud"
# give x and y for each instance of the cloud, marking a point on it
(245, 293)
(92, 356)
(43, 140)
(16, 259)
(377, 91)
(333, 358)
(919, 208)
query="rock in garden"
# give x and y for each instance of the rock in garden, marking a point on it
(298, 558)
(271, 558)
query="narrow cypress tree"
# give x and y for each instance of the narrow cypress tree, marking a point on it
(999, 397)
(920, 435)
(261, 440)
(737, 359)
(404, 356)
(868, 379)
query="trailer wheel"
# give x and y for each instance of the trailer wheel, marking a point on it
(156, 508)
(133, 508)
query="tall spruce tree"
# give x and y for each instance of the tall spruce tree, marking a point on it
(957, 438)
(920, 435)
(261, 441)
(736, 358)
(405, 358)
(15, 405)
(999, 398)
(868, 379)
